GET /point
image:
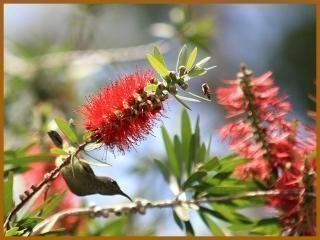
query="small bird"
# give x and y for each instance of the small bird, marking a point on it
(82, 181)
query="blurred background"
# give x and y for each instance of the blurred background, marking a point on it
(56, 55)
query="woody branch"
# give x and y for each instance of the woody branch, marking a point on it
(140, 206)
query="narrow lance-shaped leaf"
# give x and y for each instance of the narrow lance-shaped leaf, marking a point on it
(203, 61)
(66, 130)
(182, 103)
(214, 228)
(162, 70)
(189, 228)
(177, 220)
(186, 132)
(164, 170)
(28, 159)
(182, 58)
(8, 199)
(194, 177)
(158, 56)
(174, 166)
(191, 59)
(187, 98)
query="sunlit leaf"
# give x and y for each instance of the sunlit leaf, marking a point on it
(58, 151)
(151, 88)
(196, 71)
(182, 58)
(158, 56)
(203, 61)
(191, 59)
(158, 66)
(14, 232)
(66, 130)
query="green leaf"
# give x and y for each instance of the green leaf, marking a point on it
(158, 56)
(15, 169)
(182, 58)
(66, 130)
(177, 220)
(186, 133)
(194, 177)
(196, 71)
(58, 151)
(14, 232)
(213, 213)
(53, 205)
(212, 164)
(179, 152)
(214, 228)
(161, 69)
(203, 61)
(173, 163)
(48, 205)
(195, 95)
(229, 163)
(224, 190)
(8, 198)
(267, 227)
(151, 88)
(226, 211)
(115, 228)
(201, 154)
(241, 227)
(29, 222)
(191, 59)
(187, 98)
(189, 228)
(182, 103)
(164, 170)
(28, 159)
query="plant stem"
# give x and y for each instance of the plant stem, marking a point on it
(140, 206)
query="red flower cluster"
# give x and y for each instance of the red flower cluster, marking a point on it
(276, 148)
(122, 113)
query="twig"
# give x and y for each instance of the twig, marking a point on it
(140, 206)
(49, 177)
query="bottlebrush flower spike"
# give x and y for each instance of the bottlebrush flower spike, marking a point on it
(277, 149)
(123, 113)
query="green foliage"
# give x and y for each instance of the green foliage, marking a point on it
(186, 69)
(17, 160)
(67, 130)
(8, 198)
(198, 175)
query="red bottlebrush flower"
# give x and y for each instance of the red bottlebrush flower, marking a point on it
(274, 146)
(35, 175)
(122, 113)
